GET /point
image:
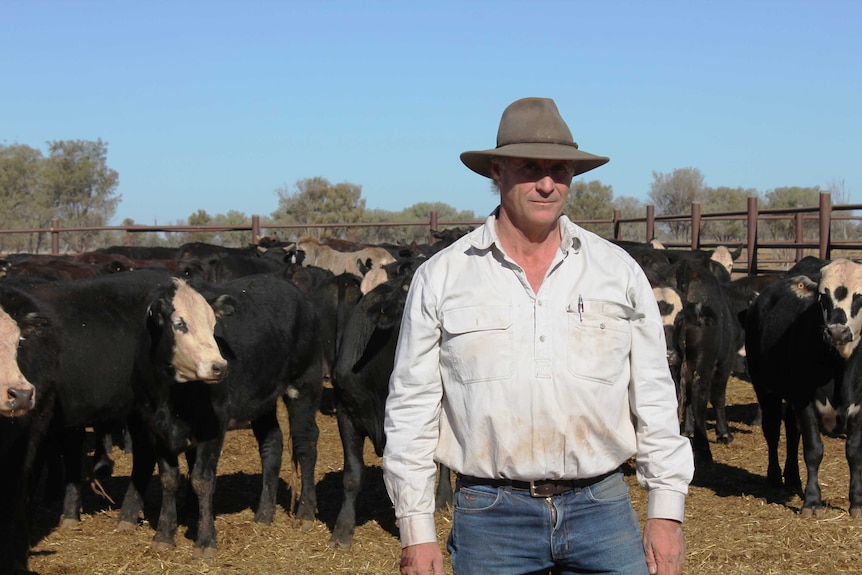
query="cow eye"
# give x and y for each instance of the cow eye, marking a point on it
(180, 325)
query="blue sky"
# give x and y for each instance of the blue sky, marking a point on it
(214, 105)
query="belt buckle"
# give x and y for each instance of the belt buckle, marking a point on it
(533, 492)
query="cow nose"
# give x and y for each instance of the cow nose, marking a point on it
(20, 397)
(839, 334)
(219, 369)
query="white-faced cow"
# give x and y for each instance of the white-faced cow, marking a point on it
(268, 332)
(841, 298)
(29, 368)
(100, 321)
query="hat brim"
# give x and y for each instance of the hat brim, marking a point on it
(480, 161)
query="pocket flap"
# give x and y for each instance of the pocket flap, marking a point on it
(468, 319)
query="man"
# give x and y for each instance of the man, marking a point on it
(531, 361)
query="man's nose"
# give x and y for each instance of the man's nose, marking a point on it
(545, 184)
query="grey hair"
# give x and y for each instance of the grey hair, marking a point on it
(500, 162)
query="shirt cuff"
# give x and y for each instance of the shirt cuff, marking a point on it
(666, 504)
(417, 529)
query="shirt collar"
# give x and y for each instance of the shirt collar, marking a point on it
(488, 237)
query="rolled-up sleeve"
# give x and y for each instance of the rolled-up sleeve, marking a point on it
(665, 464)
(411, 421)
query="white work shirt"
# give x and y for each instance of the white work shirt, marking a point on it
(496, 381)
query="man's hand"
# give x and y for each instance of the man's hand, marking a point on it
(422, 559)
(664, 544)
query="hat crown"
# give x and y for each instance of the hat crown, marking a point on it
(533, 120)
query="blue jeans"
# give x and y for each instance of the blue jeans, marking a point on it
(505, 531)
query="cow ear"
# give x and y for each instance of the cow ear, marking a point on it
(364, 266)
(33, 323)
(223, 306)
(154, 313)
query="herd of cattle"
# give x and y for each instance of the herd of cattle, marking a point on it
(177, 346)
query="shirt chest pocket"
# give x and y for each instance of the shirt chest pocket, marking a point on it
(477, 343)
(600, 339)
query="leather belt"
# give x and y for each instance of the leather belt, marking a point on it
(539, 487)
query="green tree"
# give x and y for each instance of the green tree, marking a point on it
(725, 199)
(631, 208)
(82, 188)
(842, 228)
(421, 212)
(785, 228)
(673, 194)
(23, 203)
(229, 238)
(201, 218)
(317, 201)
(591, 201)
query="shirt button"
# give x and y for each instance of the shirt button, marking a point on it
(541, 303)
(541, 338)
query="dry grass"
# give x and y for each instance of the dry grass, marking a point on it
(735, 525)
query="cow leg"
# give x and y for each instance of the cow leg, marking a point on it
(102, 463)
(770, 412)
(812, 452)
(14, 501)
(352, 443)
(143, 462)
(718, 398)
(73, 457)
(792, 481)
(270, 442)
(203, 478)
(700, 440)
(302, 410)
(853, 450)
(169, 476)
(685, 395)
(443, 497)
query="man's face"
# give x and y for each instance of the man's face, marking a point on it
(533, 192)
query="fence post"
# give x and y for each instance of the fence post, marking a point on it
(55, 236)
(255, 230)
(695, 226)
(825, 224)
(800, 235)
(618, 214)
(752, 236)
(650, 223)
(432, 225)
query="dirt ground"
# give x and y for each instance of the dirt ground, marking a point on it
(734, 525)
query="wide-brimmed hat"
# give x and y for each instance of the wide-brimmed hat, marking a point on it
(533, 128)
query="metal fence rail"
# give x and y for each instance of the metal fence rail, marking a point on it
(825, 214)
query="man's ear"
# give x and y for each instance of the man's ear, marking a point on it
(495, 170)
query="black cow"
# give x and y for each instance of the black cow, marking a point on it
(267, 330)
(28, 372)
(197, 259)
(790, 360)
(366, 355)
(236, 265)
(708, 339)
(100, 322)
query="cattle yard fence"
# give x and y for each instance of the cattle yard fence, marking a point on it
(757, 249)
